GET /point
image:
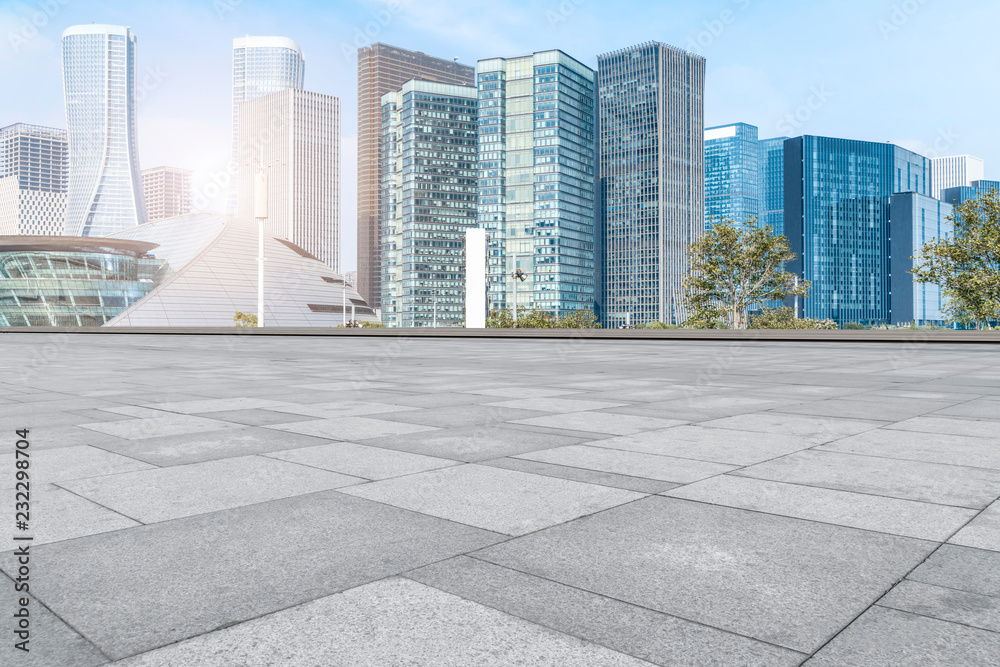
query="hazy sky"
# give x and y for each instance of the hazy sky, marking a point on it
(920, 73)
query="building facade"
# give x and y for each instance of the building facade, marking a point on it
(261, 66)
(652, 178)
(295, 135)
(772, 183)
(914, 220)
(384, 69)
(428, 201)
(954, 171)
(34, 178)
(837, 218)
(732, 173)
(537, 172)
(167, 191)
(962, 194)
(99, 82)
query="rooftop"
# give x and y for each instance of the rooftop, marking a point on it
(262, 500)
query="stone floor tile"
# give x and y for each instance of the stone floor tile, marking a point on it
(601, 422)
(362, 460)
(983, 532)
(474, 443)
(64, 463)
(985, 428)
(555, 404)
(158, 426)
(351, 428)
(614, 480)
(457, 416)
(946, 604)
(634, 464)
(817, 429)
(962, 568)
(961, 450)
(57, 514)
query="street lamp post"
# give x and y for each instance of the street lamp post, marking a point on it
(260, 213)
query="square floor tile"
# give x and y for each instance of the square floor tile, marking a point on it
(986, 428)
(601, 422)
(457, 416)
(635, 464)
(474, 443)
(351, 428)
(53, 465)
(946, 604)
(785, 581)
(962, 568)
(209, 405)
(554, 404)
(504, 501)
(363, 461)
(158, 426)
(816, 429)
(983, 532)
(334, 410)
(57, 514)
(959, 450)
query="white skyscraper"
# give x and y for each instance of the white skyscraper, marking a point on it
(954, 171)
(99, 83)
(34, 163)
(296, 135)
(261, 66)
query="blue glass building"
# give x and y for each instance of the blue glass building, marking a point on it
(837, 196)
(537, 180)
(771, 177)
(914, 220)
(732, 173)
(962, 194)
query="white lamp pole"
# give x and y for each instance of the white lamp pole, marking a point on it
(260, 213)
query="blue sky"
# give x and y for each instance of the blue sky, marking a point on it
(921, 73)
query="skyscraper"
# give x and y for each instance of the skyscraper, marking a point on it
(429, 201)
(961, 194)
(915, 219)
(34, 174)
(296, 135)
(652, 178)
(99, 81)
(537, 164)
(261, 65)
(954, 171)
(772, 183)
(837, 218)
(383, 69)
(167, 191)
(732, 173)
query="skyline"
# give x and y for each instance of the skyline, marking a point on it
(867, 71)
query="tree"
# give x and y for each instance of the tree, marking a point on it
(734, 267)
(967, 265)
(784, 318)
(244, 319)
(536, 319)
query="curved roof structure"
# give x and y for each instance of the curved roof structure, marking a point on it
(110, 246)
(212, 274)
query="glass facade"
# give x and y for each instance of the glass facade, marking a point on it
(99, 78)
(961, 194)
(261, 66)
(652, 179)
(732, 173)
(537, 166)
(428, 201)
(837, 195)
(57, 282)
(34, 178)
(772, 183)
(915, 220)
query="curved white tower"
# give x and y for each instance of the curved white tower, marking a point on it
(261, 66)
(99, 82)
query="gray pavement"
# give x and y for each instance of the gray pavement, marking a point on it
(238, 500)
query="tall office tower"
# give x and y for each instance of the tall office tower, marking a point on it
(99, 81)
(953, 172)
(295, 135)
(732, 173)
(915, 219)
(34, 174)
(837, 196)
(261, 66)
(961, 194)
(652, 177)
(167, 191)
(537, 189)
(384, 69)
(428, 201)
(772, 183)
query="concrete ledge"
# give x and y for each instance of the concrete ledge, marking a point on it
(803, 336)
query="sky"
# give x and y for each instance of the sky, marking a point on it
(919, 73)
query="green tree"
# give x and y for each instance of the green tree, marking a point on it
(734, 267)
(536, 319)
(967, 265)
(244, 319)
(784, 318)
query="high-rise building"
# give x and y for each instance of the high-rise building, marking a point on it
(772, 183)
(732, 173)
(295, 135)
(537, 189)
(428, 201)
(99, 81)
(915, 219)
(954, 171)
(261, 66)
(961, 194)
(837, 196)
(34, 175)
(167, 191)
(652, 178)
(384, 69)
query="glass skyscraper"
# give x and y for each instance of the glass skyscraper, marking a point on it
(837, 195)
(961, 194)
(652, 178)
(537, 165)
(99, 81)
(772, 183)
(34, 175)
(915, 219)
(428, 201)
(261, 66)
(732, 173)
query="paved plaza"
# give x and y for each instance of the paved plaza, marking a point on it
(245, 500)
